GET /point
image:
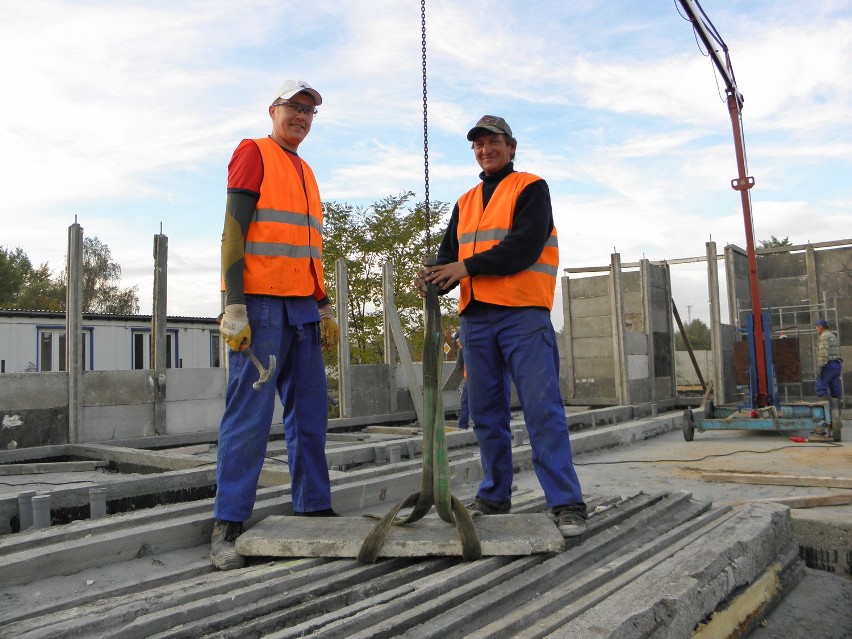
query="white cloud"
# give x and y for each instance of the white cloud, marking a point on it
(125, 114)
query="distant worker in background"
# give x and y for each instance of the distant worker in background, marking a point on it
(828, 364)
(464, 411)
(275, 301)
(501, 248)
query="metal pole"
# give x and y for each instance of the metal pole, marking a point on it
(743, 184)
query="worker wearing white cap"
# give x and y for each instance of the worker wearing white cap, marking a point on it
(275, 302)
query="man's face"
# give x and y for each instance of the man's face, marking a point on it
(289, 125)
(492, 151)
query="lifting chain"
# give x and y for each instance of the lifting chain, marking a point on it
(435, 481)
(425, 128)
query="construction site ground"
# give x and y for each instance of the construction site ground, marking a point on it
(658, 503)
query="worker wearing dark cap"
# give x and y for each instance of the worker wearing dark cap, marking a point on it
(501, 249)
(829, 362)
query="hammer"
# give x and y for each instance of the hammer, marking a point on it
(263, 373)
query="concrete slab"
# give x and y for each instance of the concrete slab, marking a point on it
(40, 468)
(513, 535)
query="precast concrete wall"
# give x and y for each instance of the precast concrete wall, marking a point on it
(618, 340)
(116, 405)
(588, 340)
(686, 375)
(33, 409)
(798, 284)
(120, 405)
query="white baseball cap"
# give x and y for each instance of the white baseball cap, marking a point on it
(289, 88)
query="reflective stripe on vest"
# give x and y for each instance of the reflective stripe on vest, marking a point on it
(479, 230)
(283, 250)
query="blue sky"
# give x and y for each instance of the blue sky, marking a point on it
(124, 115)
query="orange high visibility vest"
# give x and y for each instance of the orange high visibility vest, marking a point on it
(283, 247)
(479, 230)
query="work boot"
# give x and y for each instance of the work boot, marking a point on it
(571, 520)
(325, 512)
(481, 506)
(223, 552)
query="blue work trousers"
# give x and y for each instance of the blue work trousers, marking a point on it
(464, 409)
(828, 380)
(499, 343)
(300, 383)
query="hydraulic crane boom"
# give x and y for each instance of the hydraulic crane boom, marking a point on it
(718, 51)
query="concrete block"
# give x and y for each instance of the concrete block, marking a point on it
(599, 389)
(192, 416)
(118, 388)
(782, 265)
(671, 598)
(636, 343)
(196, 384)
(590, 307)
(834, 260)
(106, 422)
(279, 536)
(594, 286)
(824, 544)
(591, 327)
(637, 368)
(592, 347)
(27, 428)
(33, 390)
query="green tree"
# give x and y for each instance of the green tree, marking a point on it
(25, 287)
(698, 334)
(390, 230)
(102, 292)
(15, 268)
(42, 291)
(774, 242)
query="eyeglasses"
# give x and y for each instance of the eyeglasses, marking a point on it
(297, 107)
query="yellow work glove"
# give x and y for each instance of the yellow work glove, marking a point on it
(329, 332)
(234, 327)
